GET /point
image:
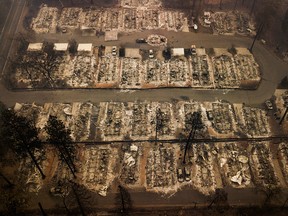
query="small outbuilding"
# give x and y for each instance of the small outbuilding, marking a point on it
(35, 47)
(61, 47)
(177, 51)
(85, 47)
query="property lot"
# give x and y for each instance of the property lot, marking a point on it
(262, 166)
(161, 168)
(132, 72)
(229, 23)
(121, 19)
(204, 174)
(234, 164)
(202, 74)
(256, 122)
(157, 167)
(108, 71)
(110, 121)
(59, 69)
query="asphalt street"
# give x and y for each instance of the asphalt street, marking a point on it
(273, 71)
(9, 31)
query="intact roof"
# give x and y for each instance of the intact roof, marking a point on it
(84, 47)
(60, 46)
(35, 46)
(178, 51)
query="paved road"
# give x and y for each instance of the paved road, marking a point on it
(9, 30)
(273, 71)
(272, 67)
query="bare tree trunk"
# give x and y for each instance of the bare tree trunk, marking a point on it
(65, 206)
(78, 201)
(122, 199)
(42, 210)
(69, 157)
(253, 6)
(284, 115)
(6, 179)
(35, 162)
(256, 36)
(220, 4)
(67, 162)
(236, 1)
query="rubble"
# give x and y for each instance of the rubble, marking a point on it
(87, 70)
(38, 69)
(130, 22)
(281, 102)
(178, 72)
(132, 72)
(229, 23)
(233, 162)
(110, 121)
(156, 72)
(108, 71)
(96, 168)
(262, 165)
(255, 122)
(70, 18)
(46, 20)
(161, 169)
(187, 110)
(82, 71)
(148, 19)
(283, 159)
(156, 40)
(203, 178)
(129, 171)
(141, 3)
(92, 18)
(225, 73)
(247, 63)
(223, 120)
(28, 171)
(201, 68)
(81, 122)
(141, 126)
(164, 121)
(111, 124)
(100, 20)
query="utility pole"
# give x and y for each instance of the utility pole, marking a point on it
(256, 36)
(284, 203)
(68, 164)
(122, 199)
(193, 5)
(61, 3)
(252, 8)
(77, 199)
(42, 210)
(220, 4)
(69, 156)
(236, 1)
(199, 7)
(35, 162)
(195, 125)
